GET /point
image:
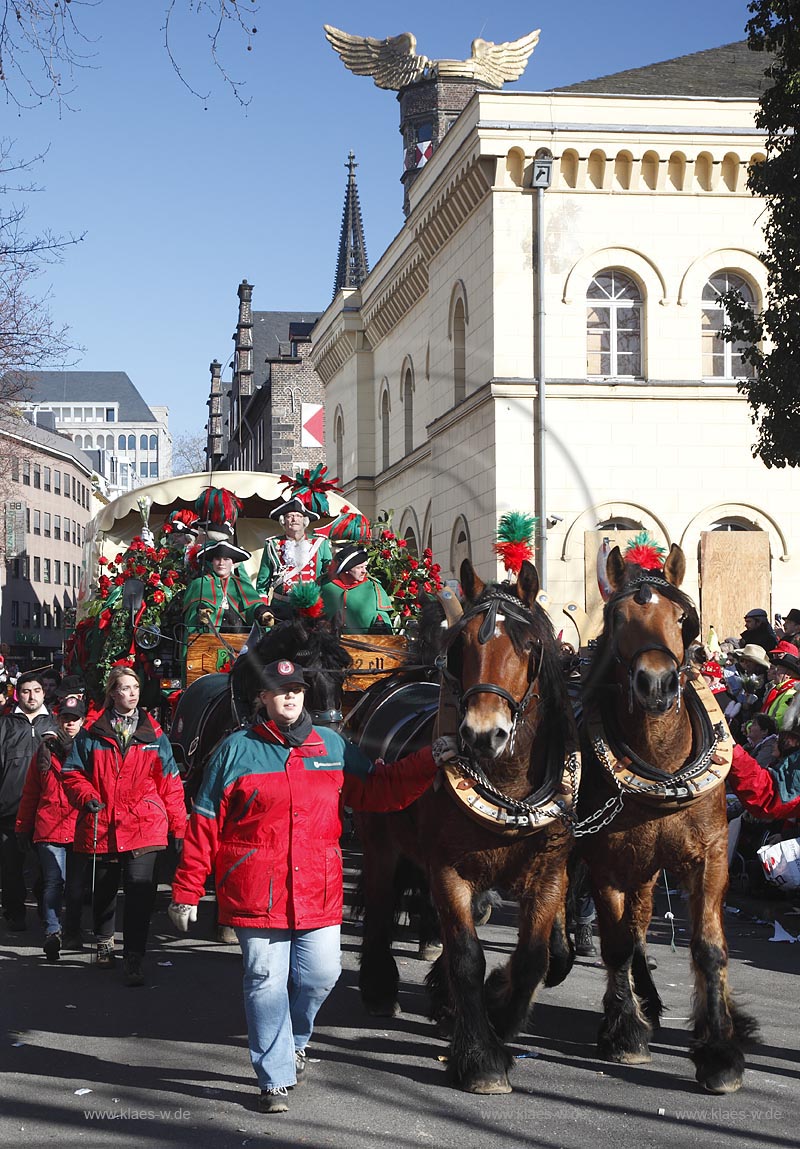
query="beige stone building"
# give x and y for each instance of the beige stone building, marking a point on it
(432, 369)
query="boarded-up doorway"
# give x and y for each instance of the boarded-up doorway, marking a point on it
(735, 576)
(592, 541)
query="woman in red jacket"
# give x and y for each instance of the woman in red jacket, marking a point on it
(122, 777)
(47, 818)
(268, 819)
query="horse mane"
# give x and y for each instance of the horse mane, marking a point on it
(603, 652)
(311, 644)
(428, 639)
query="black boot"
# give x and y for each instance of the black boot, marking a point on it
(584, 941)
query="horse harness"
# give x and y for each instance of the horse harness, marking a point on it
(465, 780)
(635, 778)
(631, 776)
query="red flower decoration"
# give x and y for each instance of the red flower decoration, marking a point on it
(158, 596)
(102, 561)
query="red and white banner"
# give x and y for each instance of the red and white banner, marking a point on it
(312, 425)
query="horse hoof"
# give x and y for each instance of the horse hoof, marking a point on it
(383, 1009)
(486, 1086)
(719, 1067)
(431, 951)
(640, 1056)
(721, 1084)
(635, 1057)
(226, 936)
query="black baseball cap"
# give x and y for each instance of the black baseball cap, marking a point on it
(71, 710)
(278, 675)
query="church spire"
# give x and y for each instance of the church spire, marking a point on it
(351, 266)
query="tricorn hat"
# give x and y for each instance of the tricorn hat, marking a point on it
(222, 549)
(293, 504)
(792, 616)
(350, 556)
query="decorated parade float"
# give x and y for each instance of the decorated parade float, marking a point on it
(152, 601)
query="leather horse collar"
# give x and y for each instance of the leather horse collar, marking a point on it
(465, 780)
(638, 779)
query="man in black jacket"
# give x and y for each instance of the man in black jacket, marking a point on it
(20, 735)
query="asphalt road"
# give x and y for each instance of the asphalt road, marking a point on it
(167, 1065)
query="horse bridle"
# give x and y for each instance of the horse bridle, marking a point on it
(489, 604)
(331, 717)
(633, 590)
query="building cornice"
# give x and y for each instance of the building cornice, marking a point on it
(400, 290)
(405, 464)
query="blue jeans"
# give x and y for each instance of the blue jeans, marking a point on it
(60, 869)
(287, 976)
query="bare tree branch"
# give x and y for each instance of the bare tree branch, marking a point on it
(42, 46)
(30, 340)
(189, 453)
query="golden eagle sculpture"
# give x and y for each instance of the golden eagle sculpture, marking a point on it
(393, 63)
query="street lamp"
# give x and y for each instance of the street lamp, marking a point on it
(541, 180)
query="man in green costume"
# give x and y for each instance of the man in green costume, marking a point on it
(222, 597)
(353, 597)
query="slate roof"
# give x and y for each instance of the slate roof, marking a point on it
(270, 329)
(95, 387)
(20, 428)
(732, 72)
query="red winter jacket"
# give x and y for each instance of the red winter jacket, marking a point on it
(45, 810)
(140, 789)
(268, 819)
(760, 791)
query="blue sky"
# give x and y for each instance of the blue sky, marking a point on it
(182, 198)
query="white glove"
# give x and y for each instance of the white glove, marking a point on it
(732, 709)
(445, 749)
(180, 915)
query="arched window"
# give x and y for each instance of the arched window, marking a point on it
(338, 438)
(143, 442)
(131, 442)
(154, 442)
(408, 404)
(620, 523)
(723, 360)
(385, 431)
(412, 546)
(459, 352)
(614, 325)
(121, 443)
(460, 545)
(78, 440)
(734, 524)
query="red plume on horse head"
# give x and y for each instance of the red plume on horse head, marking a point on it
(643, 551)
(515, 540)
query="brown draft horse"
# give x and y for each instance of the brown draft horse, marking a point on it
(649, 750)
(501, 662)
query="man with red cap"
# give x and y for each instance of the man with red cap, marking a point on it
(783, 676)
